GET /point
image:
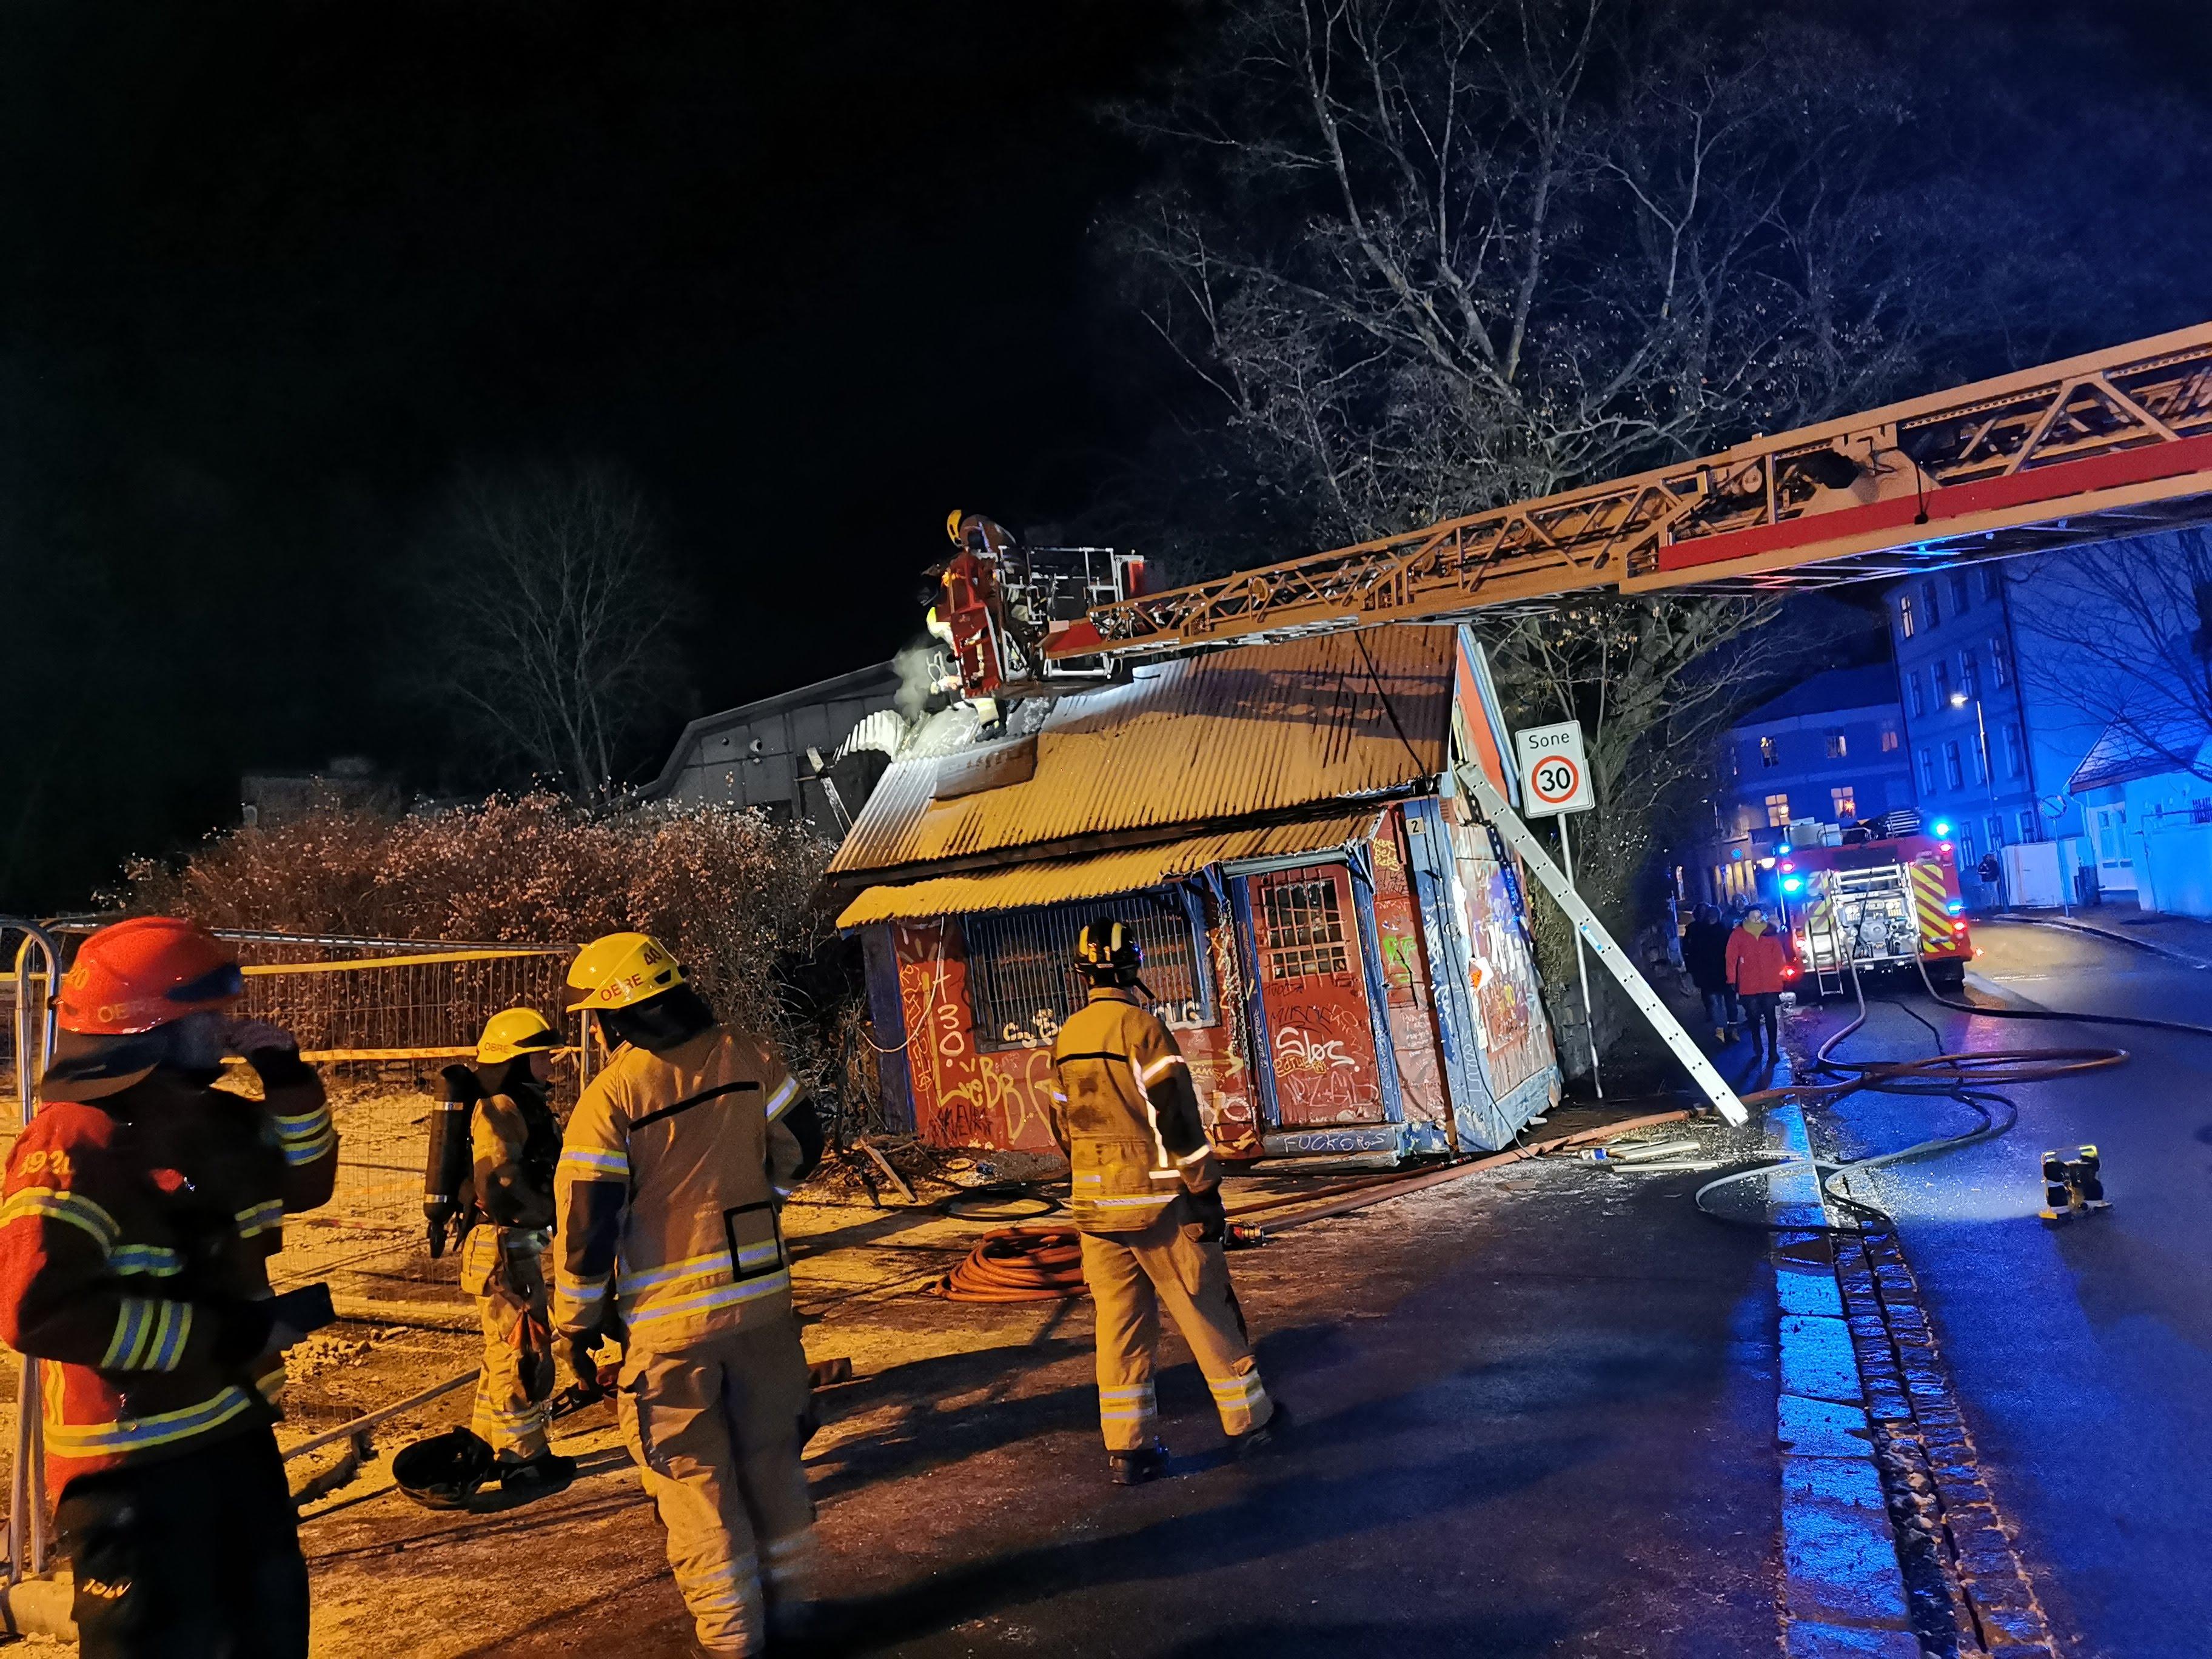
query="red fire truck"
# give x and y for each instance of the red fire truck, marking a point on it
(1878, 901)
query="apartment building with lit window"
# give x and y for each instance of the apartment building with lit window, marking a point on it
(1967, 724)
(1832, 750)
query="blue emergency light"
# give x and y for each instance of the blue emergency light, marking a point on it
(1943, 827)
(1792, 884)
(1784, 850)
(1956, 907)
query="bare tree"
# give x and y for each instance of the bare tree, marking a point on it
(554, 613)
(2126, 629)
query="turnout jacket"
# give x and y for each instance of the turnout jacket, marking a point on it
(128, 1224)
(514, 1143)
(1125, 1114)
(672, 1171)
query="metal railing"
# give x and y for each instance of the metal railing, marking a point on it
(31, 1029)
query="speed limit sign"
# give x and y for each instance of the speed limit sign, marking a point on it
(1554, 776)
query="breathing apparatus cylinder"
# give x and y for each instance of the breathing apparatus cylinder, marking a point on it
(446, 1168)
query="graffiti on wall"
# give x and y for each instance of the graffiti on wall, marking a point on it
(965, 1096)
(1515, 1039)
(1406, 991)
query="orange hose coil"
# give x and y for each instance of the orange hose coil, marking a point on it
(1017, 1264)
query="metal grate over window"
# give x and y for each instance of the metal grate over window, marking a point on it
(1305, 930)
(1022, 979)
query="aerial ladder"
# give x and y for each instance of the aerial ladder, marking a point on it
(2111, 444)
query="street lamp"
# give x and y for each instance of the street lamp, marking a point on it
(1960, 700)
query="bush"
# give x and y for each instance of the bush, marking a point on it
(738, 898)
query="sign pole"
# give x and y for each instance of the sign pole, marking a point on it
(1582, 962)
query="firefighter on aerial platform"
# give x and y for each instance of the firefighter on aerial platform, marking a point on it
(514, 1143)
(673, 1169)
(1147, 1197)
(141, 1205)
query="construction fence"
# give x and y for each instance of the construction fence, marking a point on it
(379, 1017)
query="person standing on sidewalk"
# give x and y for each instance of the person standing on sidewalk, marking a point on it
(674, 1166)
(142, 1205)
(1758, 969)
(515, 1145)
(1147, 1197)
(1704, 955)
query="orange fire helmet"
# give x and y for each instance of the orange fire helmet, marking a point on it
(145, 972)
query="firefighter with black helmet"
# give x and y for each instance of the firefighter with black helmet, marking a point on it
(673, 1169)
(514, 1143)
(141, 1206)
(1145, 1195)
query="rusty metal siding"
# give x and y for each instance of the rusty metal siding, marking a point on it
(1126, 871)
(1223, 736)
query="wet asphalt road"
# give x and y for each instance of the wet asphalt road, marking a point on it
(2083, 1354)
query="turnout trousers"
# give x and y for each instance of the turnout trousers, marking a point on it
(1130, 1276)
(191, 1558)
(716, 1429)
(503, 1267)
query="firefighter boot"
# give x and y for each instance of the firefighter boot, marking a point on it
(1253, 1442)
(1134, 1468)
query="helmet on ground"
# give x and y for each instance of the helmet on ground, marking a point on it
(134, 975)
(513, 1031)
(443, 1472)
(1107, 950)
(622, 970)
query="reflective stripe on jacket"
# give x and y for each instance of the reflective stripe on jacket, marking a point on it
(672, 1171)
(121, 1221)
(1125, 1114)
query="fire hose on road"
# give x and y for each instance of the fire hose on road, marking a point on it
(1972, 1079)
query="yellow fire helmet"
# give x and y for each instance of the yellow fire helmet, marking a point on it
(513, 1031)
(620, 970)
(952, 525)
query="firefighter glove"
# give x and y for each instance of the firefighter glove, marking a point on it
(1212, 1215)
(583, 1369)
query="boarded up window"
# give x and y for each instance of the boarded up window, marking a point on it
(1021, 965)
(1305, 930)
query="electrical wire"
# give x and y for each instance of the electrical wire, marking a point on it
(1972, 1079)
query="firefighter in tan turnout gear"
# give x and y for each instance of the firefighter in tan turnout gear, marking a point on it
(515, 1141)
(674, 1166)
(1147, 1197)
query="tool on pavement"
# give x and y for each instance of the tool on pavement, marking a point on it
(2073, 1183)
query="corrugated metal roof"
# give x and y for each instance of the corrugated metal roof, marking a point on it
(1053, 881)
(1231, 735)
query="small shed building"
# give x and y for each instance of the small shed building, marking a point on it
(1339, 943)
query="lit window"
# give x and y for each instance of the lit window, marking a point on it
(1777, 811)
(1305, 934)
(1927, 773)
(1914, 695)
(1768, 755)
(2000, 665)
(1905, 619)
(1968, 857)
(2027, 825)
(1019, 981)
(1997, 832)
(1889, 739)
(1933, 605)
(2014, 758)
(1837, 747)
(1846, 802)
(1954, 768)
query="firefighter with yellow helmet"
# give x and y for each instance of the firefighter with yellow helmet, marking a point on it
(514, 1142)
(673, 1169)
(1147, 1199)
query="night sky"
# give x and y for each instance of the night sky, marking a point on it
(273, 275)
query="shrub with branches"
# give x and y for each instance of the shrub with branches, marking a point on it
(737, 896)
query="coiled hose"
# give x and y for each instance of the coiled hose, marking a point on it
(1017, 1264)
(1971, 1079)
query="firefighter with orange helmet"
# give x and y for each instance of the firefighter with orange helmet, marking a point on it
(138, 1211)
(1146, 1198)
(673, 1169)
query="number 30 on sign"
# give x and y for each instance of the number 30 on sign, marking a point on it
(1554, 776)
